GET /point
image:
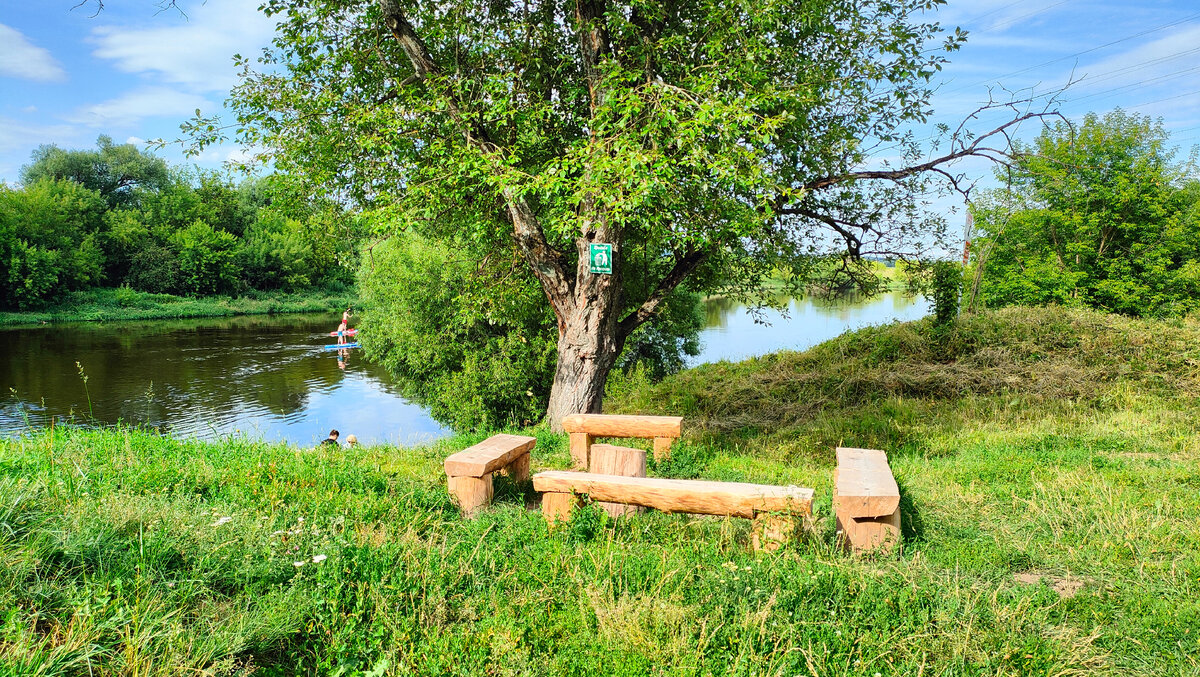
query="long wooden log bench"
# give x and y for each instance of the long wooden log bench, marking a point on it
(776, 510)
(585, 428)
(469, 472)
(866, 500)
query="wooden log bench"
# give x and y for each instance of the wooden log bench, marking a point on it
(585, 428)
(775, 510)
(866, 500)
(469, 472)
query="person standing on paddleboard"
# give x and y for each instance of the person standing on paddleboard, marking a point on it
(343, 327)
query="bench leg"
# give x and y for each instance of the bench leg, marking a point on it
(662, 449)
(557, 507)
(773, 531)
(518, 470)
(471, 494)
(623, 461)
(861, 534)
(581, 449)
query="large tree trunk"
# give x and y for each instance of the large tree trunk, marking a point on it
(590, 336)
(588, 347)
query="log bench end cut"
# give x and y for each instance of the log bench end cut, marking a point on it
(469, 472)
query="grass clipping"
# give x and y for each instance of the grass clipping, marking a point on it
(1034, 353)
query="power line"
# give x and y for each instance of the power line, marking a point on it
(1169, 98)
(1037, 11)
(1078, 54)
(1135, 85)
(1109, 75)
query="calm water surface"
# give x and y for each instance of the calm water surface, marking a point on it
(261, 376)
(732, 332)
(268, 377)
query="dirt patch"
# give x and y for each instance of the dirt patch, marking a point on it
(1066, 586)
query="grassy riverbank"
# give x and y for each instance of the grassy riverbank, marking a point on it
(1049, 460)
(113, 305)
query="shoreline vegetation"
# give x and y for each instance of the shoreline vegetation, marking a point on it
(125, 304)
(1048, 460)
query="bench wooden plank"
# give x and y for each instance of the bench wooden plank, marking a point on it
(605, 425)
(691, 496)
(488, 456)
(865, 486)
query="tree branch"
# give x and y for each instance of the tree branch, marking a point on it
(593, 45)
(976, 148)
(548, 264)
(684, 266)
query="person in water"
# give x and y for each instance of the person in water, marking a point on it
(332, 439)
(342, 331)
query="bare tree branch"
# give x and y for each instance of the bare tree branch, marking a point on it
(684, 266)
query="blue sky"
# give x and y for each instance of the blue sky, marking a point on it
(134, 73)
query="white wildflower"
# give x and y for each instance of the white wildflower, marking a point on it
(317, 559)
(223, 520)
(297, 564)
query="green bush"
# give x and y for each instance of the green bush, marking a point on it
(207, 259)
(946, 284)
(154, 269)
(475, 346)
(48, 241)
(276, 255)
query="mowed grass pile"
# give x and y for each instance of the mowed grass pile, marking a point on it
(1052, 528)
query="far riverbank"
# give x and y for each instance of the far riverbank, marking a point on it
(114, 305)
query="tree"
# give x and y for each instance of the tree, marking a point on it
(116, 171)
(1098, 216)
(48, 241)
(710, 144)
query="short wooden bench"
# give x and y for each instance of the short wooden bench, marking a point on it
(585, 428)
(469, 471)
(775, 510)
(866, 500)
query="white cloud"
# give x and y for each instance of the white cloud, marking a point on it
(195, 51)
(133, 107)
(16, 135)
(29, 109)
(20, 58)
(135, 140)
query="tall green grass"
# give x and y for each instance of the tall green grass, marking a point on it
(1045, 534)
(122, 303)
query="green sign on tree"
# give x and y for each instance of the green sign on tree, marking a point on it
(600, 257)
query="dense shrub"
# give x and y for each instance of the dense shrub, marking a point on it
(945, 286)
(476, 360)
(276, 255)
(48, 241)
(207, 259)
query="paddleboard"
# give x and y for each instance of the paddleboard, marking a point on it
(348, 332)
(339, 347)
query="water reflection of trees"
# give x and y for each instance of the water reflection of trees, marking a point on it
(157, 373)
(841, 306)
(718, 309)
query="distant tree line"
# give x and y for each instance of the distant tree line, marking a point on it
(115, 216)
(1099, 214)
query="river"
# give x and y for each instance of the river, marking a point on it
(268, 377)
